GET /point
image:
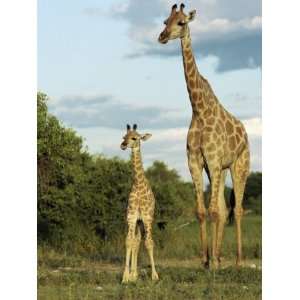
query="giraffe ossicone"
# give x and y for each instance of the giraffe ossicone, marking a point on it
(141, 205)
(216, 141)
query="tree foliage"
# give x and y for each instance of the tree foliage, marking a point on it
(254, 185)
(253, 192)
(60, 162)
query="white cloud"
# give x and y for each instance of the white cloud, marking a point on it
(221, 28)
(253, 126)
(105, 111)
(172, 134)
(230, 32)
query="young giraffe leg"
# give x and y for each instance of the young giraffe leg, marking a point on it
(195, 162)
(222, 215)
(239, 173)
(129, 245)
(215, 175)
(149, 246)
(134, 254)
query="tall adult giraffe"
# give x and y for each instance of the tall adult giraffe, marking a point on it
(216, 141)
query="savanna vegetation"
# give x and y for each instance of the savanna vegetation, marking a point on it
(81, 227)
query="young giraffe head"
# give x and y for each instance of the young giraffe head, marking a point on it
(176, 24)
(132, 138)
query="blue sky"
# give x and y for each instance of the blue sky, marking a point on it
(101, 65)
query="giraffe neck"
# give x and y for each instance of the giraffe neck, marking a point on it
(137, 164)
(194, 81)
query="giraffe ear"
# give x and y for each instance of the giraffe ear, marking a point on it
(191, 15)
(146, 136)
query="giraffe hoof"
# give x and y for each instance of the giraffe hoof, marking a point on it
(155, 276)
(133, 277)
(219, 261)
(126, 277)
(215, 264)
(239, 263)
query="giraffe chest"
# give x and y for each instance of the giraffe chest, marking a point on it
(141, 201)
(144, 194)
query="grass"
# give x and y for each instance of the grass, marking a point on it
(65, 276)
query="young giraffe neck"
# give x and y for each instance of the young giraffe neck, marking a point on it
(137, 164)
(195, 82)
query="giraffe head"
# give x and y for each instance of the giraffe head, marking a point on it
(132, 138)
(176, 24)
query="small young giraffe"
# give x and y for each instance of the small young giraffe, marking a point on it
(141, 206)
(216, 141)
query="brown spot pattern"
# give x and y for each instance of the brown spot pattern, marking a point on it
(189, 65)
(194, 95)
(218, 129)
(193, 73)
(210, 121)
(222, 114)
(220, 153)
(232, 143)
(239, 131)
(192, 83)
(205, 138)
(229, 128)
(212, 147)
(207, 113)
(200, 105)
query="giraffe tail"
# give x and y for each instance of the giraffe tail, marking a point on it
(232, 205)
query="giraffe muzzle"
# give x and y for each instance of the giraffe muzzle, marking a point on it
(123, 146)
(163, 38)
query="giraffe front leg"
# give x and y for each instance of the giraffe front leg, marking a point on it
(215, 174)
(129, 246)
(134, 256)
(149, 246)
(222, 216)
(195, 162)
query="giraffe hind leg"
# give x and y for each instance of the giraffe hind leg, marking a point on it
(214, 211)
(239, 174)
(222, 216)
(149, 246)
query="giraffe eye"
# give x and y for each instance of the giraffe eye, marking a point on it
(134, 139)
(181, 23)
